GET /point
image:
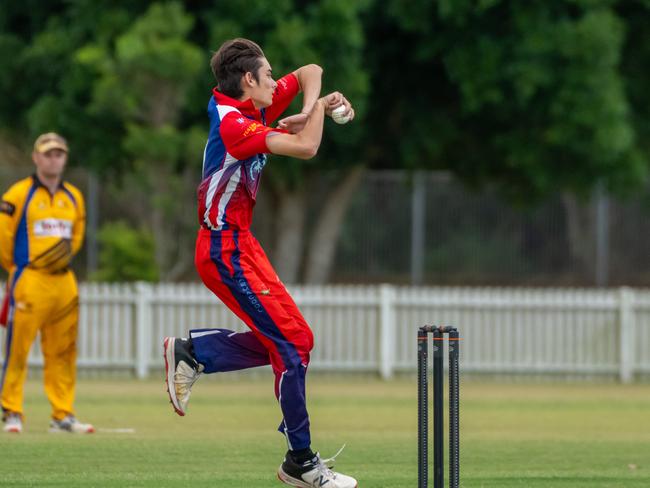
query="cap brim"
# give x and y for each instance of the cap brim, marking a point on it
(49, 145)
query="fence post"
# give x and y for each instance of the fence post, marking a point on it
(626, 334)
(142, 328)
(418, 226)
(386, 331)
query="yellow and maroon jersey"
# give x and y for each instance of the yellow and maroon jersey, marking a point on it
(38, 229)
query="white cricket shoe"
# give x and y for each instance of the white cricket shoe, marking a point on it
(182, 371)
(70, 425)
(13, 423)
(314, 473)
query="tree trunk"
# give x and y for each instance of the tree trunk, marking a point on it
(325, 237)
(184, 220)
(159, 223)
(290, 226)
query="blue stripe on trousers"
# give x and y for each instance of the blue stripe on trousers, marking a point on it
(295, 424)
(249, 302)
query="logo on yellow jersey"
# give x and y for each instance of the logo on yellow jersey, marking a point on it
(53, 228)
(8, 208)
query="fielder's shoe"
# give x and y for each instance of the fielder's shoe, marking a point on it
(71, 425)
(13, 423)
(314, 473)
(182, 371)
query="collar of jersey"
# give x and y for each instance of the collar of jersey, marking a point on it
(38, 182)
(246, 107)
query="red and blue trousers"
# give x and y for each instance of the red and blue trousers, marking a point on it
(234, 266)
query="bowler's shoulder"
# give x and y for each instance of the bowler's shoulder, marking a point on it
(234, 122)
(224, 110)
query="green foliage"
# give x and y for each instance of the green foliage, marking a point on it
(164, 143)
(527, 95)
(534, 96)
(145, 76)
(126, 254)
(531, 97)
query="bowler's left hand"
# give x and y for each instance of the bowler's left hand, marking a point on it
(294, 123)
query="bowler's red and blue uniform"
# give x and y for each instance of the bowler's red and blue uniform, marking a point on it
(233, 265)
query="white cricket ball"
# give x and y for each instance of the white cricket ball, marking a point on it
(337, 115)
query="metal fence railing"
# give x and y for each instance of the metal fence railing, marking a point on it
(601, 332)
(423, 228)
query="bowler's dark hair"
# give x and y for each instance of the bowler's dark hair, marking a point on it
(233, 60)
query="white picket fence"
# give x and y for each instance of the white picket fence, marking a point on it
(373, 328)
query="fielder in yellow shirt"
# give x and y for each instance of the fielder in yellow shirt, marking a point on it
(42, 223)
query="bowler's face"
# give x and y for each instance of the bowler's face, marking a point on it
(262, 93)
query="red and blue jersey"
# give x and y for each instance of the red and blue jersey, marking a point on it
(233, 265)
(235, 155)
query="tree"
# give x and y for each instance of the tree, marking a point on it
(524, 95)
(127, 254)
(92, 77)
(50, 90)
(529, 97)
(144, 80)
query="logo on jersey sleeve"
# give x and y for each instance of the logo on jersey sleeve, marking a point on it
(252, 128)
(8, 208)
(53, 228)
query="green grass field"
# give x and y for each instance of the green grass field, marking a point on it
(533, 436)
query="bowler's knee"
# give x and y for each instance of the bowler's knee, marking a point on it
(304, 343)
